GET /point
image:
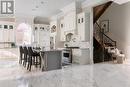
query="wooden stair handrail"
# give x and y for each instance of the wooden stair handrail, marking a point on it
(105, 34)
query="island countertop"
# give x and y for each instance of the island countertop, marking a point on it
(52, 50)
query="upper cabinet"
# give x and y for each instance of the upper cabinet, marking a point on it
(83, 25)
(69, 20)
(62, 30)
(42, 35)
(7, 31)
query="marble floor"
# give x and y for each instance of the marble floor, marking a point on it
(9, 54)
(97, 75)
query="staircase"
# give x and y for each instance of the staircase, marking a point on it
(101, 44)
(101, 40)
(105, 48)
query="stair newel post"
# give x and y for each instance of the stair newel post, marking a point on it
(103, 45)
(115, 44)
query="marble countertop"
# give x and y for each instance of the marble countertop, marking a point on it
(51, 50)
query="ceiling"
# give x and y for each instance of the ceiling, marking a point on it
(121, 1)
(43, 8)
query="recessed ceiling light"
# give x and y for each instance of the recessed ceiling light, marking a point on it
(37, 7)
(42, 2)
(33, 9)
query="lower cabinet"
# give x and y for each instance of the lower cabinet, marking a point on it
(81, 56)
(52, 60)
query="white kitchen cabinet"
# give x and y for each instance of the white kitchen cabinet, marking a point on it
(70, 21)
(68, 25)
(7, 33)
(1, 35)
(62, 30)
(81, 56)
(69, 14)
(11, 34)
(83, 25)
(42, 36)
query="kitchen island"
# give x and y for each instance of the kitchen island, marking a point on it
(52, 59)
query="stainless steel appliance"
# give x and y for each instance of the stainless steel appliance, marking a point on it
(66, 57)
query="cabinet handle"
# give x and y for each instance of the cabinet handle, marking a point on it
(82, 20)
(78, 20)
(61, 25)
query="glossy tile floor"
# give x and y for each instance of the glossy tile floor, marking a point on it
(9, 54)
(97, 75)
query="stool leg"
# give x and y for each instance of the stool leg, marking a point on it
(30, 65)
(40, 62)
(36, 61)
(28, 61)
(20, 59)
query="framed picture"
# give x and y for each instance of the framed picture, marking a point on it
(105, 25)
(10, 26)
(53, 29)
(36, 28)
(5, 26)
(42, 28)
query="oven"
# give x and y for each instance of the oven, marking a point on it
(66, 57)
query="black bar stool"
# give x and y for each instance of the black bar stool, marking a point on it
(26, 56)
(34, 58)
(21, 50)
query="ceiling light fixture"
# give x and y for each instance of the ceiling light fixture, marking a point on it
(37, 7)
(42, 2)
(33, 9)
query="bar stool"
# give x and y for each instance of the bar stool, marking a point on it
(21, 50)
(26, 56)
(34, 58)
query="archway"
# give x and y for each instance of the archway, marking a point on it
(23, 34)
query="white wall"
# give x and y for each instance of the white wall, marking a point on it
(119, 16)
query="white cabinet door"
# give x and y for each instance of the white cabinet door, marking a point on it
(6, 35)
(83, 24)
(66, 22)
(62, 38)
(11, 35)
(81, 56)
(42, 36)
(76, 56)
(1, 35)
(62, 27)
(70, 21)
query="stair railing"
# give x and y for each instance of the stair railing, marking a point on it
(103, 39)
